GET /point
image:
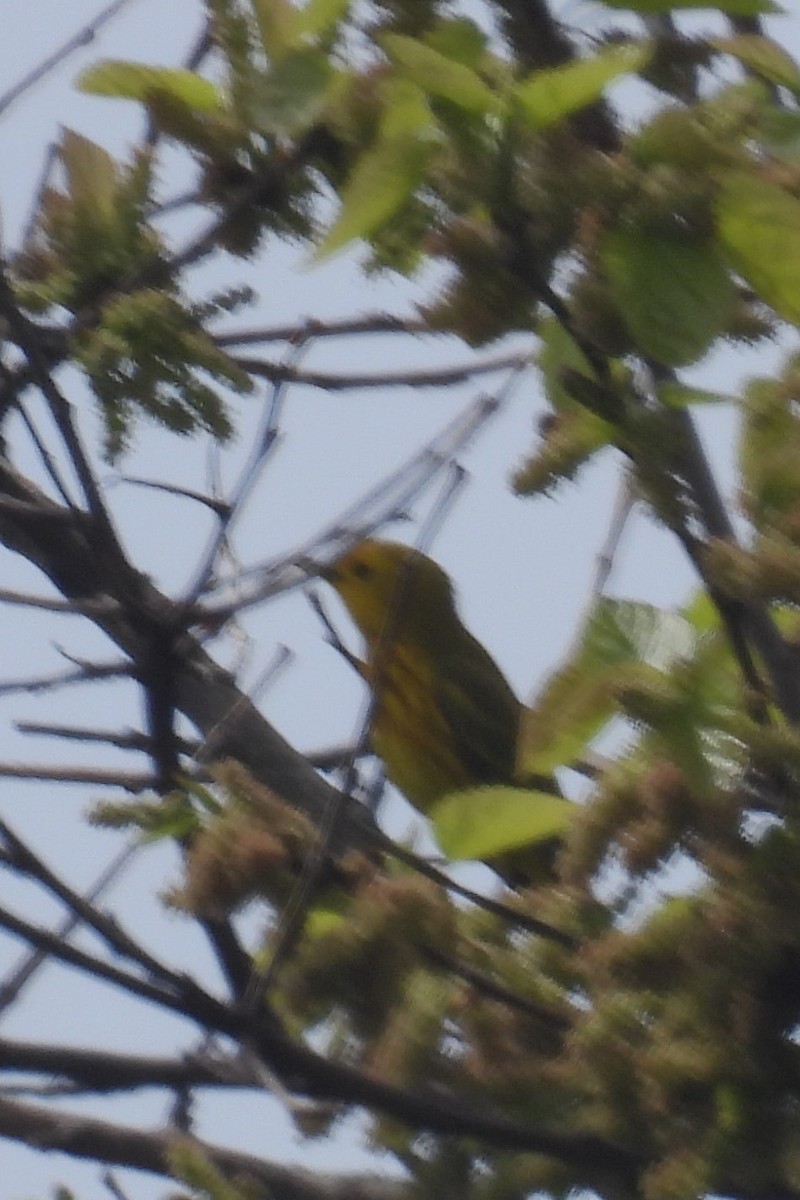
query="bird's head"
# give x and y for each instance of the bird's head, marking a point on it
(390, 587)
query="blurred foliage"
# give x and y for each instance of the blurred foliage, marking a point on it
(663, 1022)
(191, 1166)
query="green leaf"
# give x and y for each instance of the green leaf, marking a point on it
(769, 448)
(91, 176)
(674, 294)
(136, 81)
(319, 18)
(780, 132)
(288, 98)
(277, 27)
(763, 56)
(702, 613)
(481, 823)
(696, 732)
(438, 75)
(680, 395)
(460, 40)
(201, 794)
(284, 29)
(174, 820)
(390, 171)
(557, 352)
(736, 8)
(631, 631)
(759, 226)
(549, 95)
(579, 699)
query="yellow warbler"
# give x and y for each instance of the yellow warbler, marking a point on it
(444, 718)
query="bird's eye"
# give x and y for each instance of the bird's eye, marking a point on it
(362, 570)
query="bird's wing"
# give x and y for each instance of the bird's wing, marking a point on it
(481, 712)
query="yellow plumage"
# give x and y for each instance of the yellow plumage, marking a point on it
(445, 717)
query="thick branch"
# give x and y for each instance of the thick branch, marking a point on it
(231, 725)
(100, 1141)
(103, 1071)
(309, 1073)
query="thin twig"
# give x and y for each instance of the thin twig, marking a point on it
(23, 859)
(51, 155)
(347, 327)
(91, 606)
(207, 749)
(294, 914)
(110, 1182)
(55, 947)
(514, 916)
(86, 673)
(22, 974)
(624, 503)
(44, 454)
(385, 502)
(265, 443)
(84, 37)
(132, 740)
(128, 781)
(329, 758)
(25, 335)
(108, 1071)
(489, 987)
(72, 1133)
(202, 47)
(422, 377)
(219, 507)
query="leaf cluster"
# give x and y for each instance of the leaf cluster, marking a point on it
(605, 1000)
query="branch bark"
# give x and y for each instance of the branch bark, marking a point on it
(150, 1150)
(230, 723)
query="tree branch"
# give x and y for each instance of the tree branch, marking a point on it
(424, 377)
(121, 1146)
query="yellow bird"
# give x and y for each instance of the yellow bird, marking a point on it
(445, 717)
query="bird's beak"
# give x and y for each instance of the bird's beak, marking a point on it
(316, 570)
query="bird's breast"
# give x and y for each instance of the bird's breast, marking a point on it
(409, 731)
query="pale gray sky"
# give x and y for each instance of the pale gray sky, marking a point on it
(522, 568)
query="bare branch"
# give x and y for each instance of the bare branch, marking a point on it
(23, 859)
(430, 377)
(131, 740)
(265, 443)
(486, 986)
(47, 459)
(84, 37)
(121, 1146)
(54, 946)
(515, 916)
(11, 989)
(49, 161)
(219, 507)
(311, 328)
(385, 502)
(311, 1073)
(128, 781)
(25, 335)
(81, 674)
(86, 607)
(114, 1188)
(104, 1071)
